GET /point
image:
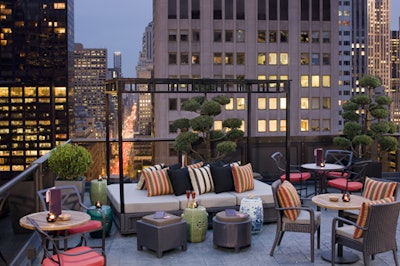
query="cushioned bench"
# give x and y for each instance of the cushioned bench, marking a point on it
(138, 204)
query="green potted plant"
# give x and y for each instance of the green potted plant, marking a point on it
(367, 128)
(70, 162)
(197, 137)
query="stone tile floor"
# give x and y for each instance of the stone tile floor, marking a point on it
(294, 249)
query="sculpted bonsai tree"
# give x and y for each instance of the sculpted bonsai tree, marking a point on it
(366, 122)
(197, 137)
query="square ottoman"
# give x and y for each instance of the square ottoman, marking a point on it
(161, 234)
(232, 231)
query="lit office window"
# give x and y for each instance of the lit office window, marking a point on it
(228, 59)
(282, 125)
(284, 58)
(59, 5)
(282, 102)
(304, 81)
(304, 103)
(315, 81)
(273, 125)
(273, 103)
(272, 84)
(326, 81)
(240, 103)
(217, 125)
(304, 127)
(273, 59)
(60, 92)
(229, 106)
(217, 58)
(261, 103)
(261, 77)
(305, 59)
(262, 126)
(261, 58)
(195, 59)
(304, 38)
(326, 103)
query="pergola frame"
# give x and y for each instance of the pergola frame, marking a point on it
(119, 86)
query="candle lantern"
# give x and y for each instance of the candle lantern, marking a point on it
(98, 204)
(51, 217)
(346, 197)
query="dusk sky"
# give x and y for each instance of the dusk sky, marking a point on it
(119, 25)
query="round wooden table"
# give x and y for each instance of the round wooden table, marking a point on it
(322, 200)
(77, 218)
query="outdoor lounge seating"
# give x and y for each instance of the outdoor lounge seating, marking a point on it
(378, 232)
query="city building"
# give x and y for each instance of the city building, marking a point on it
(395, 76)
(253, 39)
(90, 67)
(36, 73)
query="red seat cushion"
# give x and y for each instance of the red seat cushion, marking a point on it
(297, 177)
(340, 183)
(90, 258)
(334, 174)
(90, 226)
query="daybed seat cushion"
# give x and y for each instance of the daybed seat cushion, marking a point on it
(261, 190)
(136, 201)
(211, 199)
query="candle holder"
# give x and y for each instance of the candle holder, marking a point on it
(51, 217)
(322, 164)
(98, 204)
(100, 178)
(346, 197)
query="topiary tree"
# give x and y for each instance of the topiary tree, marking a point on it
(366, 121)
(197, 137)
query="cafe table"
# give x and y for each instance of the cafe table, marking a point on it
(321, 171)
(355, 203)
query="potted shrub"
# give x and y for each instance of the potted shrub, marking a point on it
(70, 162)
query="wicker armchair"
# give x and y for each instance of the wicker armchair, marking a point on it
(379, 233)
(308, 221)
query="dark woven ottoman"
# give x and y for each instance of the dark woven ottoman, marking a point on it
(232, 231)
(162, 234)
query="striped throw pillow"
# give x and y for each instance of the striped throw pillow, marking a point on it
(288, 197)
(201, 179)
(374, 190)
(141, 183)
(362, 217)
(157, 183)
(243, 177)
(195, 165)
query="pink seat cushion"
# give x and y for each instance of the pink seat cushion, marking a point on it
(334, 174)
(340, 183)
(90, 226)
(297, 177)
(91, 258)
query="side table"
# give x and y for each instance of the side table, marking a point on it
(197, 223)
(254, 208)
(95, 214)
(98, 191)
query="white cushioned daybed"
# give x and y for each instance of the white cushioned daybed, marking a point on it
(138, 203)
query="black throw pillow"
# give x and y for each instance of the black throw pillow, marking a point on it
(180, 180)
(222, 178)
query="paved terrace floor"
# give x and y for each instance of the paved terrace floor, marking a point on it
(294, 249)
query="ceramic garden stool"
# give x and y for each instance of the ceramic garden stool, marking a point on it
(232, 231)
(161, 234)
(95, 214)
(98, 191)
(197, 223)
(254, 208)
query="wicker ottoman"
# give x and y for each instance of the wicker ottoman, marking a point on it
(232, 231)
(161, 235)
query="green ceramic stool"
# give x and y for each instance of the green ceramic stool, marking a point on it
(95, 214)
(197, 223)
(98, 191)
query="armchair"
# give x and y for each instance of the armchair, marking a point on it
(378, 233)
(82, 255)
(292, 217)
(342, 157)
(295, 175)
(71, 200)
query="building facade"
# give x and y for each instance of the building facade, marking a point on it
(253, 39)
(36, 53)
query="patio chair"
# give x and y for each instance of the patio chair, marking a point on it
(71, 200)
(354, 180)
(342, 157)
(378, 233)
(82, 255)
(292, 217)
(295, 175)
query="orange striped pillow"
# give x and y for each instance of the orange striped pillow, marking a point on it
(195, 165)
(288, 197)
(157, 183)
(362, 217)
(141, 183)
(243, 177)
(375, 190)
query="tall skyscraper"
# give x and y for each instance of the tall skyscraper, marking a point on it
(118, 64)
(36, 49)
(395, 76)
(90, 67)
(253, 39)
